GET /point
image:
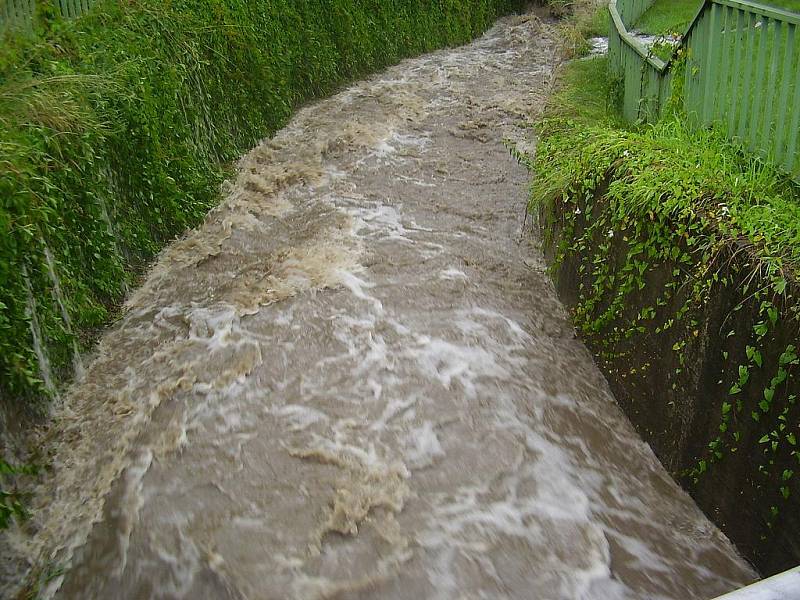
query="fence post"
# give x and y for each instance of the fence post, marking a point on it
(738, 42)
(791, 161)
(783, 107)
(747, 95)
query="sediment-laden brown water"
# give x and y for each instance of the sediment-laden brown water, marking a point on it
(356, 381)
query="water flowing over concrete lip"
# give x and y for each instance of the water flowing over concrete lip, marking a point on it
(784, 586)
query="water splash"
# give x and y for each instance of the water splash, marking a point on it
(58, 297)
(45, 371)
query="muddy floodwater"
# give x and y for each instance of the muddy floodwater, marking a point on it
(355, 380)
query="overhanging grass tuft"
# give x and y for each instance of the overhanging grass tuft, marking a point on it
(664, 168)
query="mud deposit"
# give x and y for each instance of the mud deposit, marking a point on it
(353, 381)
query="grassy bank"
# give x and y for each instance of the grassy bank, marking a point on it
(115, 131)
(678, 254)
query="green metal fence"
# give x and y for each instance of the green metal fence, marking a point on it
(631, 10)
(14, 13)
(19, 13)
(74, 8)
(647, 80)
(742, 74)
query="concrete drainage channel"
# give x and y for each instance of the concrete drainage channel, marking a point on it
(360, 385)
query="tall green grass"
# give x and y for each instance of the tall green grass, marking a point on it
(115, 129)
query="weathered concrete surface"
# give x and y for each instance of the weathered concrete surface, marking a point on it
(677, 407)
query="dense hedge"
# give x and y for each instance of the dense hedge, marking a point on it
(114, 129)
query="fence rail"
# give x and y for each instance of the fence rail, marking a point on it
(20, 13)
(742, 74)
(647, 79)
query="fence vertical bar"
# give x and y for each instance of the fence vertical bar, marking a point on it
(726, 44)
(766, 122)
(21, 14)
(759, 82)
(710, 45)
(694, 57)
(737, 59)
(747, 92)
(4, 19)
(783, 99)
(794, 127)
(650, 94)
(702, 57)
(632, 79)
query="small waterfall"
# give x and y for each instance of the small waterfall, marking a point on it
(110, 224)
(58, 296)
(36, 333)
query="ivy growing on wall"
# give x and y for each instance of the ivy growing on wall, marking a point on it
(116, 129)
(663, 227)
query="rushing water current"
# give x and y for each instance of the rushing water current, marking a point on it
(355, 380)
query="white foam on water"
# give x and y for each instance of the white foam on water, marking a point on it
(449, 362)
(58, 295)
(357, 287)
(131, 504)
(422, 446)
(394, 408)
(452, 273)
(300, 417)
(416, 181)
(42, 359)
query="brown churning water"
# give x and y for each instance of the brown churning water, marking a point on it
(353, 381)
